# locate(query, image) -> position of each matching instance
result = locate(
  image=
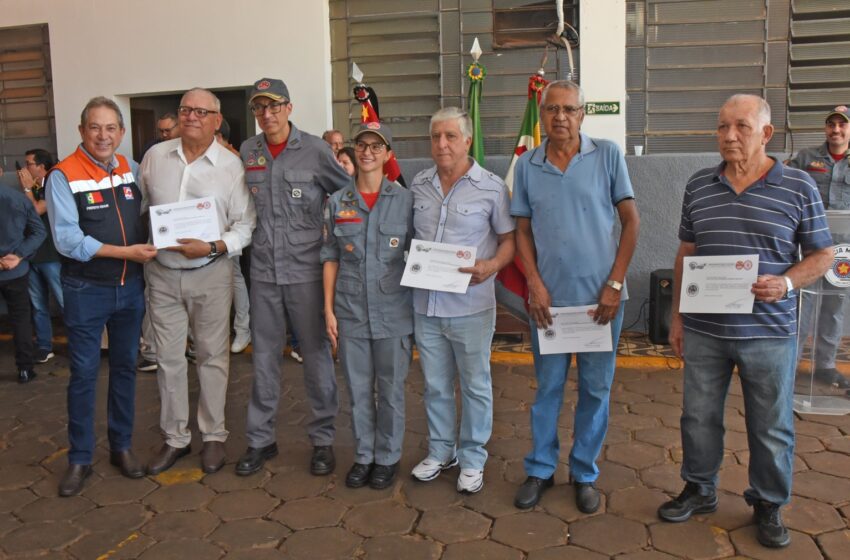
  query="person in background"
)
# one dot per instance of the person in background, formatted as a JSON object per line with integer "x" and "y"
{"x": 334, "y": 139}
{"x": 347, "y": 158}
{"x": 44, "y": 266}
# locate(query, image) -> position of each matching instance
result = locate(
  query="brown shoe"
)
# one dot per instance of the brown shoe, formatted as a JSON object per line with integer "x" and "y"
{"x": 73, "y": 480}
{"x": 127, "y": 463}
{"x": 166, "y": 458}
{"x": 212, "y": 456}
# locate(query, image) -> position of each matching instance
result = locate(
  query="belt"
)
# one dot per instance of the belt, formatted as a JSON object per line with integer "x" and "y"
{"x": 206, "y": 264}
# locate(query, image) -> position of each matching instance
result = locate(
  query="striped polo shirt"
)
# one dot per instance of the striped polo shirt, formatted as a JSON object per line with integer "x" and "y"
{"x": 774, "y": 217}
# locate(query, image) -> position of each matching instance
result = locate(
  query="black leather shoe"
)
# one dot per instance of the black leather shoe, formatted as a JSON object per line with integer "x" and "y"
{"x": 831, "y": 376}
{"x": 383, "y": 476}
{"x": 166, "y": 458}
{"x": 531, "y": 490}
{"x": 26, "y": 375}
{"x": 212, "y": 456}
{"x": 322, "y": 462}
{"x": 73, "y": 480}
{"x": 686, "y": 504}
{"x": 127, "y": 463}
{"x": 587, "y": 497}
{"x": 254, "y": 458}
{"x": 770, "y": 530}
{"x": 358, "y": 475}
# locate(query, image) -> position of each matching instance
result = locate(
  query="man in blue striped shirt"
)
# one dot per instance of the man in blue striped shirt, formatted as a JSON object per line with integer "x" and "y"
{"x": 751, "y": 203}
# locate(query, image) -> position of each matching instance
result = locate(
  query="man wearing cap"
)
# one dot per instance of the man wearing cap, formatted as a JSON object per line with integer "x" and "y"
{"x": 192, "y": 283}
{"x": 459, "y": 202}
{"x": 829, "y": 166}
{"x": 289, "y": 175}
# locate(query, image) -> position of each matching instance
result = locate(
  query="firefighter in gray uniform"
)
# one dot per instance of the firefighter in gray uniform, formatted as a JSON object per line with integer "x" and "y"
{"x": 289, "y": 173}
{"x": 829, "y": 166}
{"x": 367, "y": 229}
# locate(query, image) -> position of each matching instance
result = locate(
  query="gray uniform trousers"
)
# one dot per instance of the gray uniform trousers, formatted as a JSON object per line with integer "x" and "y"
{"x": 375, "y": 370}
{"x": 304, "y": 304}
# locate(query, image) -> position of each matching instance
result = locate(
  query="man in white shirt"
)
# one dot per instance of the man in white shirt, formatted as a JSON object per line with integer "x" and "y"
{"x": 192, "y": 284}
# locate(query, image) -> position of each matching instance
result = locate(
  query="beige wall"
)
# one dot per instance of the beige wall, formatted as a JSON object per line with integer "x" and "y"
{"x": 124, "y": 48}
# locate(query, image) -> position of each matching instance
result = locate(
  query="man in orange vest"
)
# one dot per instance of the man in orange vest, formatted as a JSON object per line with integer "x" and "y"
{"x": 94, "y": 206}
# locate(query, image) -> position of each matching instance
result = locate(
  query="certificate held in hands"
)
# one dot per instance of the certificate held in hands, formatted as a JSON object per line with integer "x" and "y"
{"x": 188, "y": 219}
{"x": 574, "y": 330}
{"x": 718, "y": 284}
{"x": 434, "y": 266}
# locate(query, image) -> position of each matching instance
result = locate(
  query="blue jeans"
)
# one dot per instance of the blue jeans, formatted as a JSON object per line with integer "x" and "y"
{"x": 595, "y": 376}
{"x": 88, "y": 308}
{"x": 457, "y": 344}
{"x": 766, "y": 368}
{"x": 44, "y": 279}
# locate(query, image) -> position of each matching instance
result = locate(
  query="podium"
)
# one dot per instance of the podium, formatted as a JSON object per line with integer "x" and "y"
{"x": 822, "y": 384}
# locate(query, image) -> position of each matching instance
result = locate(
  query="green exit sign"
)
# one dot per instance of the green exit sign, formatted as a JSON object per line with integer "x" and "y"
{"x": 602, "y": 108}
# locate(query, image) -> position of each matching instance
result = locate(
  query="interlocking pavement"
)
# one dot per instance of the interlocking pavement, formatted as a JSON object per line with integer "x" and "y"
{"x": 284, "y": 512}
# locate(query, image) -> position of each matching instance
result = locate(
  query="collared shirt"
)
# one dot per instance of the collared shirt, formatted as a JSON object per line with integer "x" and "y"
{"x": 773, "y": 217}
{"x": 166, "y": 177}
{"x": 832, "y": 177}
{"x": 474, "y": 213}
{"x": 573, "y": 217}
{"x": 369, "y": 245}
{"x": 21, "y": 231}
{"x": 65, "y": 218}
{"x": 289, "y": 192}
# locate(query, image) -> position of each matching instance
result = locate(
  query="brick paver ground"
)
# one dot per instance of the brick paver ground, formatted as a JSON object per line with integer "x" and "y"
{"x": 284, "y": 512}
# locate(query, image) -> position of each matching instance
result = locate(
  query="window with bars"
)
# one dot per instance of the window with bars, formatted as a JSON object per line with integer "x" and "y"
{"x": 819, "y": 73}
{"x": 414, "y": 54}
{"x": 684, "y": 58}
{"x": 26, "y": 100}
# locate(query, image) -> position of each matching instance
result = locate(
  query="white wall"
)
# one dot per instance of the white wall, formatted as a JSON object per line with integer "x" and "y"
{"x": 603, "y": 65}
{"x": 123, "y": 48}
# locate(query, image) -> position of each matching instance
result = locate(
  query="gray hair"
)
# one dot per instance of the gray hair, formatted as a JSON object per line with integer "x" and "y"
{"x": 563, "y": 84}
{"x": 763, "y": 114}
{"x": 327, "y": 134}
{"x": 216, "y": 101}
{"x": 453, "y": 113}
{"x": 101, "y": 101}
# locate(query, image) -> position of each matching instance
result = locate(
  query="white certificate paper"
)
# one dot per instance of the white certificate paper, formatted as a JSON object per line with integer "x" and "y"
{"x": 573, "y": 330}
{"x": 434, "y": 266}
{"x": 189, "y": 219}
{"x": 718, "y": 284}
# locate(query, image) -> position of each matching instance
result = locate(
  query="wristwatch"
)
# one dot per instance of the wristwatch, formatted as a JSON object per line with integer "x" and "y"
{"x": 213, "y": 250}
{"x": 789, "y": 285}
{"x": 614, "y": 284}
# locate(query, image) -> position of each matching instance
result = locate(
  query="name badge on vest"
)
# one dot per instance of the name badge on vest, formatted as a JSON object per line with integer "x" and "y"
{"x": 296, "y": 193}
{"x": 128, "y": 193}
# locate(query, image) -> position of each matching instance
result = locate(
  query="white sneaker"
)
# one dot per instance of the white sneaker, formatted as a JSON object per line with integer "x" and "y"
{"x": 470, "y": 481}
{"x": 296, "y": 356}
{"x": 430, "y": 468}
{"x": 240, "y": 342}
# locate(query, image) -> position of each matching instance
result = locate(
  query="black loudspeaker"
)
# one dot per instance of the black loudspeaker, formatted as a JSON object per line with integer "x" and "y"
{"x": 660, "y": 304}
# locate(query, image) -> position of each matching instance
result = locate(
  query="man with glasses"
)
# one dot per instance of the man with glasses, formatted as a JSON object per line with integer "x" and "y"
{"x": 191, "y": 284}
{"x": 459, "y": 202}
{"x": 289, "y": 175}
{"x": 167, "y": 128}
{"x": 44, "y": 266}
{"x": 568, "y": 194}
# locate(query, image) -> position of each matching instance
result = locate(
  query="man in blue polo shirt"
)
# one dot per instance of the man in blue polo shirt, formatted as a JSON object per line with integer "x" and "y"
{"x": 749, "y": 204}
{"x": 568, "y": 194}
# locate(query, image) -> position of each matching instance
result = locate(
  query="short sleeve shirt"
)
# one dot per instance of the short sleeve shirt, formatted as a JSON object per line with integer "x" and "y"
{"x": 573, "y": 217}
{"x": 475, "y": 212}
{"x": 773, "y": 218}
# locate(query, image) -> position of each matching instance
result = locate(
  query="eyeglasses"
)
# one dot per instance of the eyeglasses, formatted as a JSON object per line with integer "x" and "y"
{"x": 170, "y": 128}
{"x": 274, "y": 108}
{"x": 374, "y": 147}
{"x": 185, "y": 111}
{"x": 569, "y": 110}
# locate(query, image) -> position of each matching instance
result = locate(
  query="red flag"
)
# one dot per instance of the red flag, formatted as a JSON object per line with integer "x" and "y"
{"x": 369, "y": 113}
{"x": 511, "y": 287}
